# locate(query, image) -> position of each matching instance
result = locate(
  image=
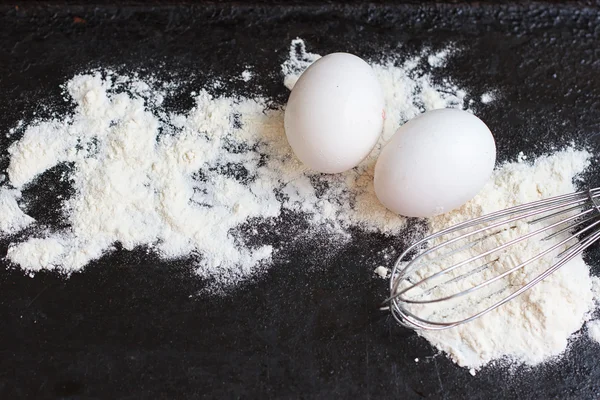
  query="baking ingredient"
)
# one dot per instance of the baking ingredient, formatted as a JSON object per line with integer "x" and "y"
{"x": 382, "y": 271}
{"x": 536, "y": 325}
{"x": 435, "y": 163}
{"x": 439, "y": 59}
{"x": 488, "y": 97}
{"x": 137, "y": 187}
{"x": 335, "y": 112}
{"x": 593, "y": 328}
{"x": 199, "y": 184}
{"x": 247, "y": 75}
{"x": 12, "y": 218}
{"x": 222, "y": 172}
{"x": 299, "y": 59}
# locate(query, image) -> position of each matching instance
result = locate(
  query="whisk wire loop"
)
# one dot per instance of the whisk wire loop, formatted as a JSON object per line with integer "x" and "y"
{"x": 575, "y": 215}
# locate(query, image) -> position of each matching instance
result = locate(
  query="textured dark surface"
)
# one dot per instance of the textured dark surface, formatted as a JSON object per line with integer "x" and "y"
{"x": 131, "y": 327}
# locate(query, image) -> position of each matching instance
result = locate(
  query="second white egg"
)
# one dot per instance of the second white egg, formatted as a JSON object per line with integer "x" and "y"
{"x": 435, "y": 163}
{"x": 335, "y": 113}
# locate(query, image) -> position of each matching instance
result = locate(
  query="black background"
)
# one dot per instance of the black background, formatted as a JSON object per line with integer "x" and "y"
{"x": 130, "y": 326}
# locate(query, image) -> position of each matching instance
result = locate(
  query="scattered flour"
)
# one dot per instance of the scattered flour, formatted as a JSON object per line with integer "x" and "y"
{"x": 593, "y": 329}
{"x": 596, "y": 288}
{"x": 247, "y": 75}
{"x": 188, "y": 184}
{"x": 488, "y": 97}
{"x": 299, "y": 59}
{"x": 13, "y": 218}
{"x": 439, "y": 59}
{"x": 382, "y": 271}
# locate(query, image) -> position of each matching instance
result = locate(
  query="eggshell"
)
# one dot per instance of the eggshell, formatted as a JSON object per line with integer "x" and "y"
{"x": 435, "y": 163}
{"x": 334, "y": 115}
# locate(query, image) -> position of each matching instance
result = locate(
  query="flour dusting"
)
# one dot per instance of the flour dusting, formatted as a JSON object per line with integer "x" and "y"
{"x": 207, "y": 183}
{"x": 488, "y": 97}
{"x": 189, "y": 184}
{"x": 593, "y": 328}
{"x": 13, "y": 218}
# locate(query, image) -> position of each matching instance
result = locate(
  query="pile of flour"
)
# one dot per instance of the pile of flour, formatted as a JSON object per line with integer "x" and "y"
{"x": 197, "y": 183}
{"x": 537, "y": 324}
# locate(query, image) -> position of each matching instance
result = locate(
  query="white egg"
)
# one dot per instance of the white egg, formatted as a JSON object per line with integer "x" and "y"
{"x": 435, "y": 163}
{"x": 334, "y": 115}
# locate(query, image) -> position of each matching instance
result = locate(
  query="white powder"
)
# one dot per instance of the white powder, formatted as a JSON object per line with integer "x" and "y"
{"x": 488, "y": 97}
{"x": 299, "y": 59}
{"x": 42, "y": 147}
{"x": 135, "y": 187}
{"x": 382, "y": 271}
{"x": 13, "y": 218}
{"x": 247, "y": 75}
{"x": 40, "y": 253}
{"x": 537, "y": 324}
{"x": 596, "y": 287}
{"x": 593, "y": 329}
{"x": 168, "y": 181}
{"x": 439, "y": 59}
{"x": 187, "y": 184}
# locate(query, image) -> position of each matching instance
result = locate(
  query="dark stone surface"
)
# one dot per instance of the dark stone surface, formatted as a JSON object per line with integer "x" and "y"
{"x": 130, "y": 326}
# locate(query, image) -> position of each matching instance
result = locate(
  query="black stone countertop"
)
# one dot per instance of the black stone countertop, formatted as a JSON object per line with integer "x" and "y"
{"x": 130, "y": 326}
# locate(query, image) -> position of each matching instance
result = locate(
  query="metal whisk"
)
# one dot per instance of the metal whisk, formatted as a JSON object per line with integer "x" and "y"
{"x": 566, "y": 224}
